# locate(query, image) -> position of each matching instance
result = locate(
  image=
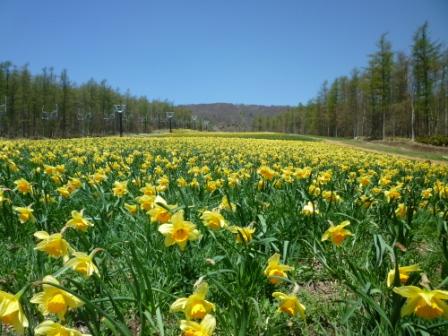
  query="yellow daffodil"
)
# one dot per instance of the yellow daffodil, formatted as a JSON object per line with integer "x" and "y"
{"x": 53, "y": 300}
{"x": 310, "y": 209}
{"x": 366, "y": 201}
{"x": 11, "y": 312}
{"x": 23, "y": 186}
{"x": 160, "y": 213}
{"x": 195, "y": 306}
{"x": 148, "y": 190}
{"x": 392, "y": 194}
{"x": 337, "y": 233}
{"x": 64, "y": 192}
{"x": 54, "y": 245}
{"x": 314, "y": 190}
{"x": 120, "y": 188}
{"x": 162, "y": 184}
{"x": 331, "y": 196}
{"x": 275, "y": 269}
{"x": 74, "y": 184}
{"x": 131, "y": 208}
{"x": 213, "y": 220}
{"x": 50, "y": 328}
{"x": 78, "y": 221}
{"x": 205, "y": 328}
{"x": 242, "y": 233}
{"x": 364, "y": 180}
{"x": 49, "y": 170}
{"x": 83, "y": 263}
{"x": 427, "y": 193}
{"x": 181, "y": 182}
{"x": 194, "y": 184}
{"x": 289, "y": 304}
{"x": 3, "y": 198}
{"x": 146, "y": 202}
{"x": 401, "y": 211}
{"x": 179, "y": 231}
{"x": 227, "y": 205}
{"x": 427, "y": 304}
{"x": 404, "y": 274}
{"x": 266, "y": 172}
{"x": 25, "y": 214}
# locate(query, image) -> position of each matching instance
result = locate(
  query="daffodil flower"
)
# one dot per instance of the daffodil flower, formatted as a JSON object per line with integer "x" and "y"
{"x": 50, "y": 328}
{"x": 53, "y": 300}
{"x": 160, "y": 213}
{"x": 11, "y": 312}
{"x": 23, "y": 186}
{"x": 83, "y": 263}
{"x": 78, "y": 221}
{"x": 404, "y": 274}
{"x": 146, "y": 202}
{"x": 205, "y": 328}
{"x": 289, "y": 304}
{"x": 213, "y": 220}
{"x": 309, "y": 209}
{"x": 195, "y": 306}
{"x": 227, "y": 205}
{"x": 25, "y": 214}
{"x": 243, "y": 234}
{"x": 54, "y": 245}
{"x": 427, "y": 304}
{"x": 337, "y": 233}
{"x": 120, "y": 188}
{"x": 132, "y": 208}
{"x": 266, "y": 172}
{"x": 276, "y": 269}
{"x": 179, "y": 231}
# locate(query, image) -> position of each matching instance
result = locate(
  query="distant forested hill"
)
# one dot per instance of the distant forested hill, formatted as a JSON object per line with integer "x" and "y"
{"x": 226, "y": 116}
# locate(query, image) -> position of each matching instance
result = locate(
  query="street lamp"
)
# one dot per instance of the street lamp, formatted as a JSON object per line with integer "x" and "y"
{"x": 48, "y": 116}
{"x": 170, "y": 116}
{"x": 144, "y": 120}
{"x": 120, "y": 109}
{"x": 83, "y": 117}
{"x": 3, "y": 109}
{"x": 53, "y": 115}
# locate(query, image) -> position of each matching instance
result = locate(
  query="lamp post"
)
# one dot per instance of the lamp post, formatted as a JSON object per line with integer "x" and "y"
{"x": 3, "y": 107}
{"x": 83, "y": 117}
{"x": 3, "y": 110}
{"x": 170, "y": 116}
{"x": 144, "y": 120}
{"x": 120, "y": 109}
{"x": 50, "y": 116}
{"x": 193, "y": 119}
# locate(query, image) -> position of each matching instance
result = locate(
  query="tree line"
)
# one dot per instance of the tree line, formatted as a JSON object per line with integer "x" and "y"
{"x": 51, "y": 105}
{"x": 395, "y": 95}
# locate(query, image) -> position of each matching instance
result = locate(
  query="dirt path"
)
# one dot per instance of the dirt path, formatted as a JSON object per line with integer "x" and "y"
{"x": 414, "y": 155}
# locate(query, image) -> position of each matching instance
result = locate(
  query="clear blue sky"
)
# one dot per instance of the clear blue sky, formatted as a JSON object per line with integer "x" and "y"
{"x": 191, "y": 51}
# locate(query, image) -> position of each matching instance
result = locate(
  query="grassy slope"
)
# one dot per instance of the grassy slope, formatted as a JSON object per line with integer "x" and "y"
{"x": 405, "y": 150}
